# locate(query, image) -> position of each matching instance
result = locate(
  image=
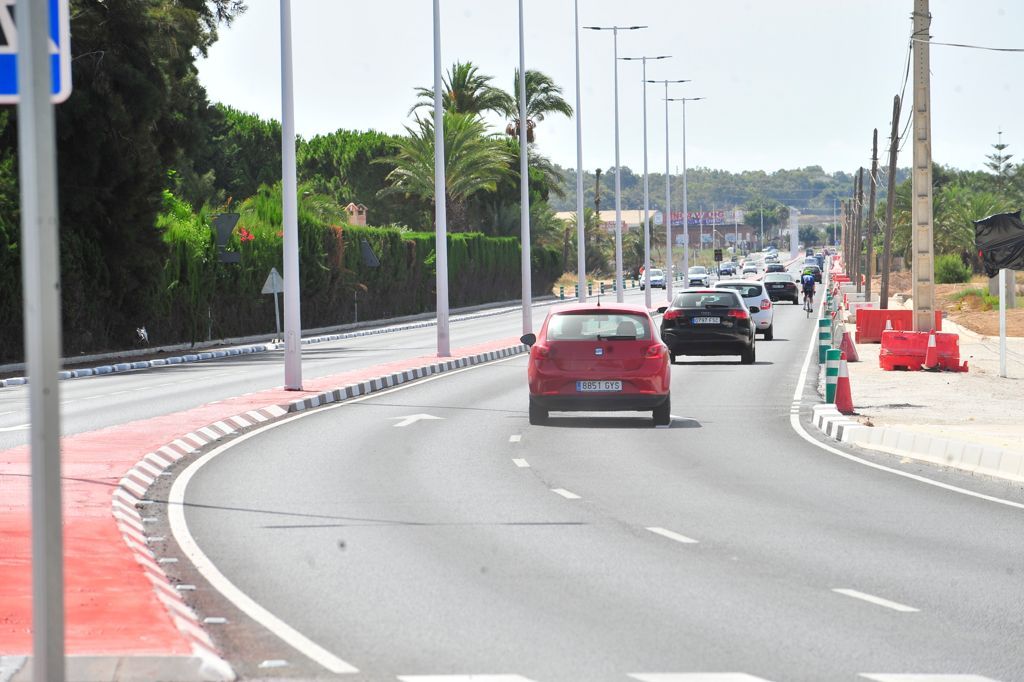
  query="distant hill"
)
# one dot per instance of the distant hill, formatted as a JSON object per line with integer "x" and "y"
{"x": 809, "y": 189}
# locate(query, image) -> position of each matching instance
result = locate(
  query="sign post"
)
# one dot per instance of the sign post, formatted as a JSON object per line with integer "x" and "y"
{"x": 32, "y": 75}
{"x": 274, "y": 285}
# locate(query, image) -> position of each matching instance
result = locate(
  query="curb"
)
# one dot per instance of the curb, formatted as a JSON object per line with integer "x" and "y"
{"x": 947, "y": 452}
{"x": 129, "y": 503}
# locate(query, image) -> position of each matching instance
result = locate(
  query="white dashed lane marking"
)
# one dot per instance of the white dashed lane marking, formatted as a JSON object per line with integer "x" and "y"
{"x": 565, "y": 493}
{"x": 515, "y": 439}
{"x": 521, "y": 463}
{"x": 672, "y": 535}
{"x": 872, "y": 599}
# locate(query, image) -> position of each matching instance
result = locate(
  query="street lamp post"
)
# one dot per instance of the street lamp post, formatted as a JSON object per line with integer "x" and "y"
{"x": 524, "y": 184}
{"x": 618, "y": 183}
{"x": 647, "y": 208}
{"x": 669, "y": 264}
{"x": 440, "y": 192}
{"x": 581, "y": 259}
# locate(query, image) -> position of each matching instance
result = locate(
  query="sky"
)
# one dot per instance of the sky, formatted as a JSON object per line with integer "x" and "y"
{"x": 789, "y": 83}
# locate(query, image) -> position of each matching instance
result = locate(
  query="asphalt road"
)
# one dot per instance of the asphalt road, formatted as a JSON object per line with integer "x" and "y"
{"x": 597, "y": 547}
{"x": 92, "y": 403}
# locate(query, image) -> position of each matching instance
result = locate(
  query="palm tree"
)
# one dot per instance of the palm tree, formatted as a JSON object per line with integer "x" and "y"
{"x": 542, "y": 97}
{"x": 466, "y": 91}
{"x": 474, "y": 161}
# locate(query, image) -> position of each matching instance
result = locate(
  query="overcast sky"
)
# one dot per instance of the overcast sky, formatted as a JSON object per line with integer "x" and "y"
{"x": 790, "y": 83}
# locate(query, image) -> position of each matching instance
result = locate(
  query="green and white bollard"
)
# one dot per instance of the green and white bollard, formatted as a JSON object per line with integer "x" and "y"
{"x": 561, "y": 293}
{"x": 590, "y": 288}
{"x": 824, "y": 338}
{"x": 834, "y": 355}
{"x": 577, "y": 294}
{"x": 602, "y": 288}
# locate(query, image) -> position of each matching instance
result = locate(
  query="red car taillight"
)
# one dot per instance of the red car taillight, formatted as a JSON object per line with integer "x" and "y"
{"x": 766, "y": 304}
{"x": 671, "y": 314}
{"x": 655, "y": 351}
{"x": 739, "y": 314}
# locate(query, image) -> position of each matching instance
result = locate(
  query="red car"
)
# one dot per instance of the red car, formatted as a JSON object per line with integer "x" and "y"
{"x": 591, "y": 357}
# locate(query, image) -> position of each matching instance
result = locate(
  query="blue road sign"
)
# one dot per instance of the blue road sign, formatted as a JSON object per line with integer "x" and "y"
{"x": 60, "y": 51}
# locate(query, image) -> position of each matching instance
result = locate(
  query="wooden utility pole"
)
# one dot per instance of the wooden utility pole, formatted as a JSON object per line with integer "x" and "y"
{"x": 870, "y": 236}
{"x": 923, "y": 266}
{"x": 858, "y": 228}
{"x": 889, "y": 201}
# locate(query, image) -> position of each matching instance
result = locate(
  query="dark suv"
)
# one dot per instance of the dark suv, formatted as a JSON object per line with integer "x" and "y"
{"x": 708, "y": 322}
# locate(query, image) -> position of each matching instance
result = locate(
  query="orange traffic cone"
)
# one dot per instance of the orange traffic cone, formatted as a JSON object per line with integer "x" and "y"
{"x": 844, "y": 400}
{"x": 931, "y": 356}
{"x": 849, "y": 348}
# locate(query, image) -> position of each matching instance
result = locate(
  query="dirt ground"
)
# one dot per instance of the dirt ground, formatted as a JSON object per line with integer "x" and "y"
{"x": 968, "y": 311}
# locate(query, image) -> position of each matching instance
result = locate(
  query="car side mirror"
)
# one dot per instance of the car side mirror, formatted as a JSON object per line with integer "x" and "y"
{"x": 754, "y": 309}
{"x": 662, "y": 309}
{"x": 528, "y": 339}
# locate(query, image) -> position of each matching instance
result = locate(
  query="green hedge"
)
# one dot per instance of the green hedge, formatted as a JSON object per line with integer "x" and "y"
{"x": 950, "y": 269}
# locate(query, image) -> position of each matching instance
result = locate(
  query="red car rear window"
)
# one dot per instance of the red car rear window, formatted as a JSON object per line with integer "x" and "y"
{"x": 587, "y": 326}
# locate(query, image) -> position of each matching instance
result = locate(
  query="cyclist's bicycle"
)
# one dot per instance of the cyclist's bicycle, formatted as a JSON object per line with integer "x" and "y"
{"x": 808, "y": 303}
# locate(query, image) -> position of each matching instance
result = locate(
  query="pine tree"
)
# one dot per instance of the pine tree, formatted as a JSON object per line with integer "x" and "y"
{"x": 999, "y": 163}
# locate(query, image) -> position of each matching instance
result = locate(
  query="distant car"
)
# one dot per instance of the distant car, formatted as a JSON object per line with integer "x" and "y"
{"x": 727, "y": 269}
{"x": 708, "y": 322}
{"x": 782, "y": 287}
{"x": 590, "y": 357}
{"x": 775, "y": 267}
{"x": 755, "y": 296}
{"x": 657, "y": 279}
{"x": 815, "y": 270}
{"x": 698, "y": 276}
{"x": 750, "y": 269}
{"x": 820, "y": 258}
{"x": 771, "y": 258}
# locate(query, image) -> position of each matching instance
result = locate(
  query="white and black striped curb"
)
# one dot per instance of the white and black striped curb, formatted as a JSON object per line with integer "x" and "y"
{"x": 396, "y": 378}
{"x": 259, "y": 347}
{"x": 947, "y": 452}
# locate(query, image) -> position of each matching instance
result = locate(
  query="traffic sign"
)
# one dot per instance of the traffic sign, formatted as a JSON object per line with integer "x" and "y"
{"x": 718, "y": 255}
{"x": 274, "y": 283}
{"x": 60, "y": 52}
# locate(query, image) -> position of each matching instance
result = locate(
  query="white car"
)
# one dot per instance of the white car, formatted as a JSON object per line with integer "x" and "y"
{"x": 657, "y": 279}
{"x": 758, "y": 301}
{"x": 698, "y": 276}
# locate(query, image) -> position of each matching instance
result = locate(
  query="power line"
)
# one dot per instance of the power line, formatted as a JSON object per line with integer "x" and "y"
{"x": 971, "y": 47}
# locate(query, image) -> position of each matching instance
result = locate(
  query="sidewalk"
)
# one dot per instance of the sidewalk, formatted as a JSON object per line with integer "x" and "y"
{"x": 118, "y": 601}
{"x": 969, "y": 420}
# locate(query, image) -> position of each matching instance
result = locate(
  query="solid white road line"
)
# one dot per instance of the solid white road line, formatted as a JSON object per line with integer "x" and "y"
{"x": 565, "y": 493}
{"x": 464, "y": 678}
{"x": 794, "y": 421}
{"x": 695, "y": 677}
{"x": 19, "y": 427}
{"x": 882, "y": 677}
{"x": 521, "y": 463}
{"x": 671, "y": 535}
{"x": 878, "y": 601}
{"x": 515, "y": 439}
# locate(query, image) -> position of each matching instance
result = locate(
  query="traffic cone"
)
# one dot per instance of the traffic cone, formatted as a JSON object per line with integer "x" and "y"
{"x": 844, "y": 400}
{"x": 849, "y": 348}
{"x": 931, "y": 356}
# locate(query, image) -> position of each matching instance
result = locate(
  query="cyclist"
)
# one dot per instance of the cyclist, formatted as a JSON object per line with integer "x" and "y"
{"x": 807, "y": 284}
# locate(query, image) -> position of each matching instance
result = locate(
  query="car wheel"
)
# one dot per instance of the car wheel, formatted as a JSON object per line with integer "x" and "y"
{"x": 663, "y": 412}
{"x": 538, "y": 415}
{"x": 748, "y": 356}
{"x": 769, "y": 333}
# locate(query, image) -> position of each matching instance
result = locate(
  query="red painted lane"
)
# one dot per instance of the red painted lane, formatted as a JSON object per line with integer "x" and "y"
{"x": 110, "y": 605}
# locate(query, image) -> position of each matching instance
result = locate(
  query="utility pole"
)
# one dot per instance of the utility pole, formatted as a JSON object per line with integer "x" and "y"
{"x": 871, "y": 218}
{"x": 883, "y": 302}
{"x": 922, "y": 245}
{"x": 858, "y": 228}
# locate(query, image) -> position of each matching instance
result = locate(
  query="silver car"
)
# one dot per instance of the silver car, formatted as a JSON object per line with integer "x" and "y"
{"x": 698, "y": 277}
{"x": 758, "y": 301}
{"x": 657, "y": 279}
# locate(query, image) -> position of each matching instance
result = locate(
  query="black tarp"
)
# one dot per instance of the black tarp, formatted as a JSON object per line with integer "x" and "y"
{"x": 1000, "y": 242}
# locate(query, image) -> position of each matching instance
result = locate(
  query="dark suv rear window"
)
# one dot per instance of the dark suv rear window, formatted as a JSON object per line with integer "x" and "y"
{"x": 588, "y": 326}
{"x": 715, "y": 299}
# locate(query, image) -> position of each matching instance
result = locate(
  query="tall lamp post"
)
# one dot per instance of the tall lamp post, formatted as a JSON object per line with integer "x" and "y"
{"x": 647, "y": 208}
{"x": 440, "y": 192}
{"x": 618, "y": 182}
{"x": 669, "y": 264}
{"x": 581, "y": 235}
{"x": 686, "y": 213}
{"x": 524, "y": 184}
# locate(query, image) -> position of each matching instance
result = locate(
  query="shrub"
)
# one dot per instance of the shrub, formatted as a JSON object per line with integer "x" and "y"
{"x": 949, "y": 269}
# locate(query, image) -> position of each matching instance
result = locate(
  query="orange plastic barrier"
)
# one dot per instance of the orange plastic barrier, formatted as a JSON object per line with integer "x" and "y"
{"x": 908, "y": 350}
{"x": 871, "y": 322}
